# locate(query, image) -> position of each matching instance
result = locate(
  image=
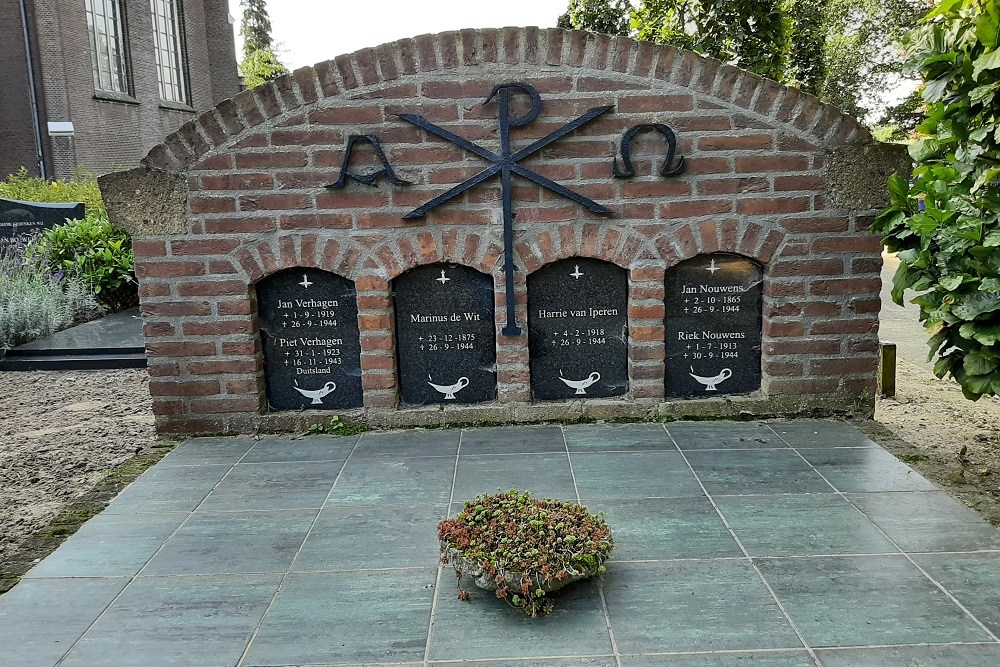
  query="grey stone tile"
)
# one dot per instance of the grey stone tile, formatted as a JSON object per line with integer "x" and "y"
{"x": 863, "y": 601}
{"x": 208, "y": 451}
{"x": 233, "y": 543}
{"x": 110, "y": 545}
{"x": 177, "y": 621}
{"x": 801, "y": 526}
{"x": 634, "y": 475}
{"x": 544, "y": 475}
{"x": 616, "y": 437}
{"x": 41, "y": 618}
{"x": 394, "y": 481}
{"x": 512, "y": 440}
{"x": 590, "y": 661}
{"x": 576, "y": 626}
{"x": 761, "y": 472}
{"x": 866, "y": 469}
{"x": 347, "y": 618}
{"x": 276, "y": 486}
{"x": 413, "y": 442}
{"x": 974, "y": 579}
{"x": 693, "y": 606}
{"x": 285, "y": 449}
{"x": 164, "y": 489}
{"x": 666, "y": 528}
{"x": 782, "y": 658}
{"x": 820, "y": 433}
{"x": 723, "y": 435}
{"x": 372, "y": 537}
{"x": 931, "y": 521}
{"x": 975, "y": 655}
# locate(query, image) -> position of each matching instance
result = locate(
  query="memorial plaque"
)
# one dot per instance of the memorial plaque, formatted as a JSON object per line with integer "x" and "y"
{"x": 578, "y": 329}
{"x": 713, "y": 323}
{"x": 312, "y": 346}
{"x": 445, "y": 335}
{"x": 20, "y": 217}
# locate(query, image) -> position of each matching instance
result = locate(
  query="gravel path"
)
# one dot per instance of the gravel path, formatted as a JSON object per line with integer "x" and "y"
{"x": 61, "y": 432}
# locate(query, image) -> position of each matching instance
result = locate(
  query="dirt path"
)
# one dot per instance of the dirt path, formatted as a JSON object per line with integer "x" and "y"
{"x": 60, "y": 433}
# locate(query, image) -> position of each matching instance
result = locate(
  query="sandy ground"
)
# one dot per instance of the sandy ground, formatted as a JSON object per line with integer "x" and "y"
{"x": 60, "y": 433}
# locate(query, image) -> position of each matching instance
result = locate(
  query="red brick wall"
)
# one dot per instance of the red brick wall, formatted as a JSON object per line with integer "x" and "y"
{"x": 755, "y": 152}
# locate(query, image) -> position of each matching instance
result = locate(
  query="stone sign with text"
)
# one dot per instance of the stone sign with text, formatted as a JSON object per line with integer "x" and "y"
{"x": 309, "y": 331}
{"x": 578, "y": 329}
{"x": 713, "y": 326}
{"x": 445, "y": 335}
{"x": 19, "y": 217}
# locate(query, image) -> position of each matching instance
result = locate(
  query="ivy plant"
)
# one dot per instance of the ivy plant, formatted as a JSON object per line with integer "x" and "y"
{"x": 945, "y": 221}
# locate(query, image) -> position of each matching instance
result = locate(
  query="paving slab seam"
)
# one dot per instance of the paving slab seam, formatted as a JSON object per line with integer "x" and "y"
{"x": 291, "y": 564}
{"x": 902, "y": 551}
{"x": 514, "y": 661}
{"x": 739, "y": 543}
{"x": 440, "y": 569}
{"x": 600, "y": 586}
{"x": 914, "y": 645}
{"x": 137, "y": 575}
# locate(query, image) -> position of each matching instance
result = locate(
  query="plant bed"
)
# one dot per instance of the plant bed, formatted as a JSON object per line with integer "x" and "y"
{"x": 524, "y": 548}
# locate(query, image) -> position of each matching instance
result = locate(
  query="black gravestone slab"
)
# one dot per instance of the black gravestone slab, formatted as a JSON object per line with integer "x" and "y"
{"x": 445, "y": 335}
{"x": 578, "y": 329}
{"x": 312, "y": 345}
{"x": 19, "y": 217}
{"x": 713, "y": 323}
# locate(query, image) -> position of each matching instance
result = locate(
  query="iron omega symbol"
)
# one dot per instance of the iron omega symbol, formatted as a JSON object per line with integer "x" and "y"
{"x": 505, "y": 164}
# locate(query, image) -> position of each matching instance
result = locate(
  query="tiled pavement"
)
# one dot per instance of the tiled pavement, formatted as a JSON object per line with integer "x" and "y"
{"x": 785, "y": 543}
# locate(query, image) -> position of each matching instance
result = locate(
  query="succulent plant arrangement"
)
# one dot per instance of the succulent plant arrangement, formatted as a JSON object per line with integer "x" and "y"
{"x": 524, "y": 547}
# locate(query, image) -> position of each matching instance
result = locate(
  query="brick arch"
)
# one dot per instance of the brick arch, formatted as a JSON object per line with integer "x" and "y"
{"x": 749, "y": 238}
{"x": 397, "y": 255}
{"x": 256, "y": 261}
{"x": 799, "y": 113}
{"x": 619, "y": 245}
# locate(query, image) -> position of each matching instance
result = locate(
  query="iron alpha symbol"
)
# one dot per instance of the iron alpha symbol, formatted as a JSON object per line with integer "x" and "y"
{"x": 505, "y": 164}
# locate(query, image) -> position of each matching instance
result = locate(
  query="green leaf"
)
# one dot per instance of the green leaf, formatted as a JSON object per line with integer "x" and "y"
{"x": 943, "y": 8}
{"x": 976, "y": 304}
{"x": 899, "y": 191}
{"x": 922, "y": 224}
{"x": 951, "y": 283}
{"x": 988, "y": 26}
{"x": 921, "y": 149}
{"x": 942, "y": 366}
{"x": 989, "y": 60}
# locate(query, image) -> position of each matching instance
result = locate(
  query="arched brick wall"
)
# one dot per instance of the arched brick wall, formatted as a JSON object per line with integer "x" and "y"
{"x": 245, "y": 182}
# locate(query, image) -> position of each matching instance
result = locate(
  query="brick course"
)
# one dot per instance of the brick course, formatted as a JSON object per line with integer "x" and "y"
{"x": 753, "y": 186}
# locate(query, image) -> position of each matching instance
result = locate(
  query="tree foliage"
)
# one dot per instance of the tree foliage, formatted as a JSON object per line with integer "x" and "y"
{"x": 255, "y": 26}
{"x": 945, "y": 223}
{"x": 845, "y": 51}
{"x": 260, "y": 62}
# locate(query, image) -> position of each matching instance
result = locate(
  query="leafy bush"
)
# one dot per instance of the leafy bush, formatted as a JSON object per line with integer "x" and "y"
{"x": 524, "y": 547}
{"x": 945, "y": 224}
{"x": 35, "y": 302}
{"x": 81, "y": 188}
{"x": 94, "y": 253}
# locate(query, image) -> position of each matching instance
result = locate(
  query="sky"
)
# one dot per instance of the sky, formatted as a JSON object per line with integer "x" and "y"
{"x": 311, "y": 31}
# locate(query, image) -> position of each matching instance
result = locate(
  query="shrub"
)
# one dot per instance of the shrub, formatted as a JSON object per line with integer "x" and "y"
{"x": 945, "y": 224}
{"x": 95, "y": 253}
{"x": 35, "y": 302}
{"x": 81, "y": 188}
{"x": 524, "y": 547}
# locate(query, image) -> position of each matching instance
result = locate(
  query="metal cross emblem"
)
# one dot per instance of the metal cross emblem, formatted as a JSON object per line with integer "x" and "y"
{"x": 505, "y": 164}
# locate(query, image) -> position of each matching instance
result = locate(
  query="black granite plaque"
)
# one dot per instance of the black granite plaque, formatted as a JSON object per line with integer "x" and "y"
{"x": 713, "y": 322}
{"x": 445, "y": 335}
{"x": 578, "y": 329}
{"x": 312, "y": 346}
{"x": 19, "y": 217}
